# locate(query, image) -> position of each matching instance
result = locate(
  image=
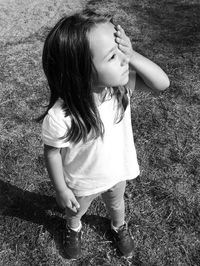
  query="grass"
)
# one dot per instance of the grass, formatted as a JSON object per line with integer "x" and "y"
{"x": 163, "y": 203}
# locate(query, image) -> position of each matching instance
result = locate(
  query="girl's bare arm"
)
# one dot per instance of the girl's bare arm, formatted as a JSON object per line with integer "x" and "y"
{"x": 150, "y": 73}
{"x": 64, "y": 196}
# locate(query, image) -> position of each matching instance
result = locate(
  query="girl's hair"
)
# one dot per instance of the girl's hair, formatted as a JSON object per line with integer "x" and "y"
{"x": 68, "y": 66}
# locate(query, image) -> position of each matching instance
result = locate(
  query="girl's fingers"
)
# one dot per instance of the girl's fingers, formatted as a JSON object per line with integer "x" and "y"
{"x": 120, "y": 28}
{"x": 120, "y": 35}
{"x": 120, "y": 31}
{"x": 122, "y": 42}
{"x": 75, "y": 203}
{"x": 123, "y": 49}
{"x": 73, "y": 207}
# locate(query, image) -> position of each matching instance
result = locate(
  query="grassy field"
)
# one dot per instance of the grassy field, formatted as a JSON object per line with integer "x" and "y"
{"x": 163, "y": 203}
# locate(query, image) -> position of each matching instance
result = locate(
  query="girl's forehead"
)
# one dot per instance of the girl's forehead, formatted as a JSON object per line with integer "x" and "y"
{"x": 102, "y": 39}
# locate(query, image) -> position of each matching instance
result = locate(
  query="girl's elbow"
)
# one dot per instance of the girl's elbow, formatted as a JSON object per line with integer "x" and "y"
{"x": 165, "y": 84}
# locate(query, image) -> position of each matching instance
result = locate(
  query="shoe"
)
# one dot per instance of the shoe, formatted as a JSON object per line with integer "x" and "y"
{"x": 72, "y": 243}
{"x": 123, "y": 240}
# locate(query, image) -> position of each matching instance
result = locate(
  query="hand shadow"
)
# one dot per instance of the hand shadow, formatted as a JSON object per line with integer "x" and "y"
{"x": 37, "y": 209}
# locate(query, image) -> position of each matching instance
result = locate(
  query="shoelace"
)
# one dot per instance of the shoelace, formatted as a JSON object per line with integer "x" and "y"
{"x": 68, "y": 235}
{"x": 123, "y": 232}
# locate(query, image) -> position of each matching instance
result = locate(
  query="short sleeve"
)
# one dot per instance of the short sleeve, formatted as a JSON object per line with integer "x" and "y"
{"x": 54, "y": 132}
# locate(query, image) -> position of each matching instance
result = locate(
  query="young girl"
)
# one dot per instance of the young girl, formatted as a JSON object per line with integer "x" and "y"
{"x": 89, "y": 151}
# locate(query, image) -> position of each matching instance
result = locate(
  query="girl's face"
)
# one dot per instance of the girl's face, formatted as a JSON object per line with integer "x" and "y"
{"x": 111, "y": 64}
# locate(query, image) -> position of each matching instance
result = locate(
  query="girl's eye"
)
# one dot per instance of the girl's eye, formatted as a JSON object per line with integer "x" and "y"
{"x": 112, "y": 57}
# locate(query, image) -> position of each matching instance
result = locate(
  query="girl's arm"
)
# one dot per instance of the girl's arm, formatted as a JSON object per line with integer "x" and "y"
{"x": 149, "y": 73}
{"x": 64, "y": 196}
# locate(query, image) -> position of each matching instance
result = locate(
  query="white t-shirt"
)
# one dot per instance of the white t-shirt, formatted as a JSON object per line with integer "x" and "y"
{"x": 98, "y": 164}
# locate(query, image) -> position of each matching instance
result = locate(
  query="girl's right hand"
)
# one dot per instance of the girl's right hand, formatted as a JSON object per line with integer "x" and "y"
{"x": 66, "y": 199}
{"x": 124, "y": 42}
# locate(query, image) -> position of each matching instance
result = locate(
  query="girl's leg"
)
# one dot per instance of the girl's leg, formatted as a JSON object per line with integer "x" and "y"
{"x": 72, "y": 234}
{"x": 73, "y": 219}
{"x": 114, "y": 200}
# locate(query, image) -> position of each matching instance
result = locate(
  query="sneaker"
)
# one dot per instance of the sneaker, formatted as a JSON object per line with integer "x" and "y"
{"x": 72, "y": 243}
{"x": 123, "y": 240}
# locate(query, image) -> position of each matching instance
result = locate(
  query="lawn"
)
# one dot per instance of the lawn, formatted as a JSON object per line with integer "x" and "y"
{"x": 163, "y": 203}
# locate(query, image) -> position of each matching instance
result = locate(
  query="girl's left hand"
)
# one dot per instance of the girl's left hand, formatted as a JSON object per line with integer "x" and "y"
{"x": 123, "y": 41}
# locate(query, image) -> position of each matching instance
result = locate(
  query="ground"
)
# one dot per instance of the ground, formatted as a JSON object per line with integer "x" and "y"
{"x": 163, "y": 203}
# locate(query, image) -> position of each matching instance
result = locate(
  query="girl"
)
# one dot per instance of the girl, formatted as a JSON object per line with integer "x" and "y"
{"x": 89, "y": 151}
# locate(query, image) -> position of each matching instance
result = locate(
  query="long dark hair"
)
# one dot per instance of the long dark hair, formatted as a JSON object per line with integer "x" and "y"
{"x": 68, "y": 66}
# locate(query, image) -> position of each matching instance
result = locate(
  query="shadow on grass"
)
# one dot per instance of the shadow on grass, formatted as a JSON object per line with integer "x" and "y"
{"x": 178, "y": 21}
{"x": 37, "y": 214}
{"x": 169, "y": 23}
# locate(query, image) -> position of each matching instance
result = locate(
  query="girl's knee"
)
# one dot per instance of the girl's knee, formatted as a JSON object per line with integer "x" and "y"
{"x": 116, "y": 205}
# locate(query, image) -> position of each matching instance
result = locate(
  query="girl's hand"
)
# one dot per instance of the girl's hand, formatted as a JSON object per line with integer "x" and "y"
{"x": 123, "y": 41}
{"x": 66, "y": 199}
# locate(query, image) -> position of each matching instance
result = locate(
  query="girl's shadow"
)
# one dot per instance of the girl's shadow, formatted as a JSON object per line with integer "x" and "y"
{"x": 38, "y": 209}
